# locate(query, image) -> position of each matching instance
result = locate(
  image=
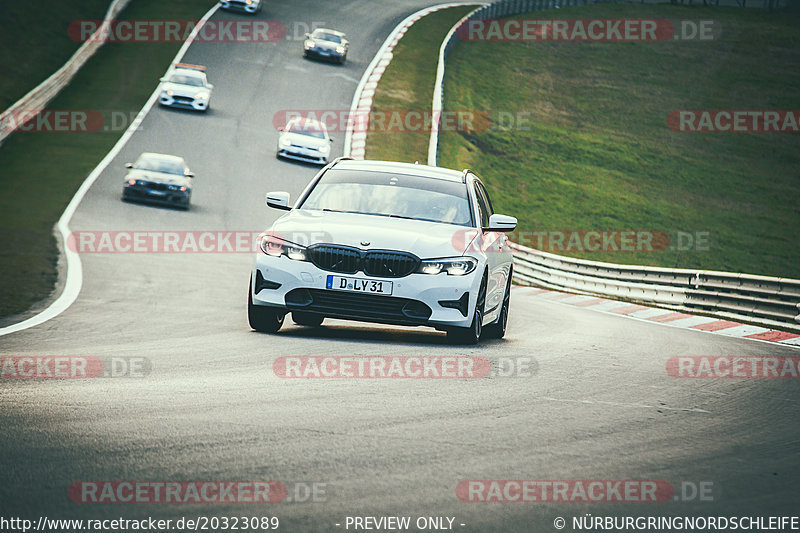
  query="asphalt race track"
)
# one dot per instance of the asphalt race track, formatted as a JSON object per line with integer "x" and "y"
{"x": 598, "y": 405}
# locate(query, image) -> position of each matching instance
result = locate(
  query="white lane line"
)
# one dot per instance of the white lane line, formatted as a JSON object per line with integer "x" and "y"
{"x": 622, "y": 404}
{"x": 650, "y": 313}
{"x": 692, "y": 321}
{"x": 606, "y": 306}
{"x": 74, "y": 281}
{"x": 742, "y": 331}
{"x": 382, "y": 57}
{"x": 578, "y": 298}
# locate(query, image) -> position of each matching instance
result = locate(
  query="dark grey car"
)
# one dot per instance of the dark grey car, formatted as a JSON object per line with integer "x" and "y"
{"x": 327, "y": 44}
{"x": 159, "y": 178}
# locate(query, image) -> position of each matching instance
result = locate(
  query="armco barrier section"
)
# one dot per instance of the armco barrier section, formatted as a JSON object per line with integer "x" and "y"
{"x": 772, "y": 302}
{"x": 38, "y": 98}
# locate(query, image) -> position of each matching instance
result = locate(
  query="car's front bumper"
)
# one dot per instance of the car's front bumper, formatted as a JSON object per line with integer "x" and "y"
{"x": 331, "y": 55}
{"x": 299, "y": 153}
{"x": 415, "y": 300}
{"x": 135, "y": 193}
{"x": 184, "y": 102}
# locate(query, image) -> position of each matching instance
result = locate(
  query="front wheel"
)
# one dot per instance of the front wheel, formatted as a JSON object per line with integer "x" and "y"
{"x": 471, "y": 334}
{"x": 497, "y": 330}
{"x": 263, "y": 319}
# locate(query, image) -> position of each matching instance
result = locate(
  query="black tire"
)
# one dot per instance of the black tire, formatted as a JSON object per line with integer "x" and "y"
{"x": 472, "y": 334}
{"x": 307, "y": 319}
{"x": 497, "y": 329}
{"x": 263, "y": 319}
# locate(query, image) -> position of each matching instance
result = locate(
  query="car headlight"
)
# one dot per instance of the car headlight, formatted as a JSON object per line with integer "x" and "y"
{"x": 340, "y": 49}
{"x": 168, "y": 93}
{"x": 203, "y": 96}
{"x": 309, "y": 44}
{"x": 284, "y": 142}
{"x": 277, "y": 247}
{"x": 325, "y": 148}
{"x": 454, "y": 266}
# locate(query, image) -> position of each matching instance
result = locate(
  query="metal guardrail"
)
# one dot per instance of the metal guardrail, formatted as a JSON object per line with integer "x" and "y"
{"x": 37, "y": 99}
{"x": 766, "y": 301}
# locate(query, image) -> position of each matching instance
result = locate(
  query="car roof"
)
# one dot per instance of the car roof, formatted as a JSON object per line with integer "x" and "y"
{"x": 162, "y": 157}
{"x": 397, "y": 167}
{"x": 328, "y": 30}
{"x": 307, "y": 122}
{"x": 189, "y": 72}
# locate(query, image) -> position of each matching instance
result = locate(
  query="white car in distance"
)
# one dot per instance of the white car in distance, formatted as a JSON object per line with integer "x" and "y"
{"x": 186, "y": 86}
{"x": 305, "y": 139}
{"x": 386, "y": 242}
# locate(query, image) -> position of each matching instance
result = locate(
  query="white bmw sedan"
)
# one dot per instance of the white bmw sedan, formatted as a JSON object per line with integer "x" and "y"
{"x": 386, "y": 242}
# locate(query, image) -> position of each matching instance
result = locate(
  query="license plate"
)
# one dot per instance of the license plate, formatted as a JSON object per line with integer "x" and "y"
{"x": 156, "y": 193}
{"x": 369, "y": 286}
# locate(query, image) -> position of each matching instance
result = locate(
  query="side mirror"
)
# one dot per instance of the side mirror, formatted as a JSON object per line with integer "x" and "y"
{"x": 164, "y": 78}
{"x": 209, "y": 86}
{"x": 278, "y": 200}
{"x": 281, "y": 129}
{"x": 128, "y": 165}
{"x": 189, "y": 174}
{"x": 308, "y": 35}
{"x": 502, "y": 223}
{"x": 330, "y": 139}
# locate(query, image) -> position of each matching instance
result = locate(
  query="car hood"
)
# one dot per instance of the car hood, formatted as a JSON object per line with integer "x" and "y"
{"x": 427, "y": 240}
{"x": 184, "y": 90}
{"x": 304, "y": 140}
{"x": 327, "y": 45}
{"x": 159, "y": 177}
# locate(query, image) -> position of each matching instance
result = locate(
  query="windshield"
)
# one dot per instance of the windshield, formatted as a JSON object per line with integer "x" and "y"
{"x": 391, "y": 195}
{"x": 306, "y": 129}
{"x": 155, "y": 164}
{"x": 182, "y": 79}
{"x": 322, "y": 36}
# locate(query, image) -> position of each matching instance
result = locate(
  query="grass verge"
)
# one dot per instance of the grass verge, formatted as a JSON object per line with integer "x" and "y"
{"x": 40, "y": 172}
{"x": 28, "y": 57}
{"x": 595, "y": 153}
{"x": 407, "y": 85}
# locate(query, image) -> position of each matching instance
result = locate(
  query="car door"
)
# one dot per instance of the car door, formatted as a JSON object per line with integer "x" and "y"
{"x": 494, "y": 245}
